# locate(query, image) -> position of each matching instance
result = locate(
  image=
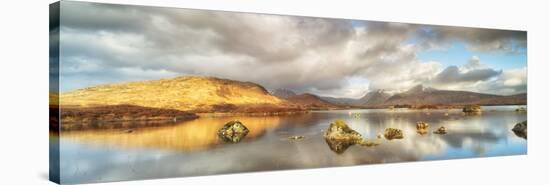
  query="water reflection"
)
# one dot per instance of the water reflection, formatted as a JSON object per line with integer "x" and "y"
{"x": 198, "y": 134}
{"x": 193, "y": 148}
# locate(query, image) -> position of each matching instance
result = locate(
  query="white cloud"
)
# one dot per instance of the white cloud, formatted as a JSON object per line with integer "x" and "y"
{"x": 112, "y": 43}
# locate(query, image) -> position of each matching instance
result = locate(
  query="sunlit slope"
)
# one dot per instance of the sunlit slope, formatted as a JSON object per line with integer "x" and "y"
{"x": 189, "y": 93}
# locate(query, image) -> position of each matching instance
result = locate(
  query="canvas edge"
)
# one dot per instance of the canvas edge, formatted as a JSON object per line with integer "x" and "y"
{"x": 53, "y": 94}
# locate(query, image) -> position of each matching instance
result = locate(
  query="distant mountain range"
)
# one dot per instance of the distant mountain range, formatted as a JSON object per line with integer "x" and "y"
{"x": 420, "y": 95}
{"x": 311, "y": 101}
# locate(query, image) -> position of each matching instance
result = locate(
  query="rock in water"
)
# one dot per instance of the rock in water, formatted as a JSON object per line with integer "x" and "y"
{"x": 393, "y": 133}
{"x": 339, "y": 130}
{"x": 369, "y": 143}
{"x": 521, "y": 109}
{"x": 422, "y": 127}
{"x": 472, "y": 109}
{"x": 296, "y": 137}
{"x": 441, "y": 130}
{"x": 338, "y": 146}
{"x": 520, "y": 129}
{"x": 339, "y": 136}
{"x": 233, "y": 132}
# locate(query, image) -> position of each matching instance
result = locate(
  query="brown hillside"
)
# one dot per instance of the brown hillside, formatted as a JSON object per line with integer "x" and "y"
{"x": 189, "y": 93}
{"x": 310, "y": 101}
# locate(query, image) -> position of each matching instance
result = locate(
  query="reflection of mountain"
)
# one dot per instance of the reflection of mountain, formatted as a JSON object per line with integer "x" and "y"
{"x": 194, "y": 135}
{"x": 190, "y": 93}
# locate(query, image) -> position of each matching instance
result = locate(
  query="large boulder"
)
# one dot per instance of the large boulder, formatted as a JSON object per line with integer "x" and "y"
{"x": 393, "y": 133}
{"x": 520, "y": 129}
{"x": 339, "y": 130}
{"x": 233, "y": 132}
{"x": 339, "y": 136}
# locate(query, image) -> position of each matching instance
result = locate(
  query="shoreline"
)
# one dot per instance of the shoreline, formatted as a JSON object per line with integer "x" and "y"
{"x": 135, "y": 118}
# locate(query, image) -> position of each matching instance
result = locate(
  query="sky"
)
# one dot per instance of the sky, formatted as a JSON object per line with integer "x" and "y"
{"x": 102, "y": 43}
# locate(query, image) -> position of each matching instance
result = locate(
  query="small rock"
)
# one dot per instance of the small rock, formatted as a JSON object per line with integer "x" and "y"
{"x": 441, "y": 130}
{"x": 393, "y": 133}
{"x": 296, "y": 137}
{"x": 422, "y": 125}
{"x": 520, "y": 129}
{"x": 369, "y": 143}
{"x": 422, "y": 132}
{"x": 521, "y": 109}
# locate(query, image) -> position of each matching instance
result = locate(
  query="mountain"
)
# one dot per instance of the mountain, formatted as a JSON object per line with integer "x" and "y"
{"x": 283, "y": 93}
{"x": 187, "y": 93}
{"x": 374, "y": 98}
{"x": 420, "y": 95}
{"x": 340, "y": 101}
{"x": 371, "y": 98}
{"x": 311, "y": 101}
{"x": 518, "y": 99}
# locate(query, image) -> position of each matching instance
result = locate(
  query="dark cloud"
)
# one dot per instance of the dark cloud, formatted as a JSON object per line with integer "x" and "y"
{"x": 476, "y": 39}
{"x": 326, "y": 56}
{"x": 452, "y": 74}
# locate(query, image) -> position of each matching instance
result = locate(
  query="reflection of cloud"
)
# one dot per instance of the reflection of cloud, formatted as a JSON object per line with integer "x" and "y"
{"x": 456, "y": 139}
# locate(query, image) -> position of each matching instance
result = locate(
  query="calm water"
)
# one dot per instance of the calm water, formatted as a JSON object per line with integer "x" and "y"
{"x": 192, "y": 148}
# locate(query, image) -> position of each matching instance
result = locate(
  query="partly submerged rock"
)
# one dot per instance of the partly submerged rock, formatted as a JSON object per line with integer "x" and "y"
{"x": 338, "y": 146}
{"x": 472, "y": 109}
{"x": 422, "y": 127}
{"x": 233, "y": 132}
{"x": 339, "y": 136}
{"x": 393, "y": 133}
{"x": 369, "y": 143}
{"x": 422, "y": 131}
{"x": 441, "y": 130}
{"x": 521, "y": 109}
{"x": 296, "y": 137}
{"x": 520, "y": 129}
{"x": 339, "y": 130}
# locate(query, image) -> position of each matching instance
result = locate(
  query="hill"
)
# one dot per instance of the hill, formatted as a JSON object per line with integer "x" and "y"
{"x": 189, "y": 93}
{"x": 311, "y": 101}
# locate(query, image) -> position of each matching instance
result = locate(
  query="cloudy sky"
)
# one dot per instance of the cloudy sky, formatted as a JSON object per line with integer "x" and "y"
{"x": 102, "y": 43}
